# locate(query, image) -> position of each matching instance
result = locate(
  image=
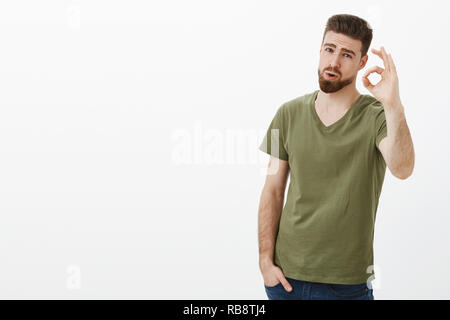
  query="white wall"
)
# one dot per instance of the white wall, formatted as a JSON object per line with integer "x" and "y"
{"x": 99, "y": 98}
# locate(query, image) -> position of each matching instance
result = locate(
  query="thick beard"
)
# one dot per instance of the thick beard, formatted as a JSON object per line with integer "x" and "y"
{"x": 328, "y": 86}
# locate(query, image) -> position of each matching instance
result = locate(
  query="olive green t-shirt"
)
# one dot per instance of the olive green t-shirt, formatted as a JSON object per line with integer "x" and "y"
{"x": 326, "y": 228}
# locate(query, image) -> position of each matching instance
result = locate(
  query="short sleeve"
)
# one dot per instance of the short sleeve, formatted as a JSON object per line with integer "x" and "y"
{"x": 380, "y": 126}
{"x": 274, "y": 139}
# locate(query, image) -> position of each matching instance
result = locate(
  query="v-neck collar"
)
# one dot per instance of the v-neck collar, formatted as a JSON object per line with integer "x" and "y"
{"x": 336, "y": 123}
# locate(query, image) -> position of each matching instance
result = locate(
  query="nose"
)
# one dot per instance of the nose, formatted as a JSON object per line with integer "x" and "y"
{"x": 335, "y": 61}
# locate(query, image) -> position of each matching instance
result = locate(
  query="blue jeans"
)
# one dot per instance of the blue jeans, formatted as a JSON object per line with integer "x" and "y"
{"x": 305, "y": 290}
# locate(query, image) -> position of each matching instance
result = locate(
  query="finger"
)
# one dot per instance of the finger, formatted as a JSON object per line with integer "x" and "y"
{"x": 376, "y": 69}
{"x": 391, "y": 61}
{"x": 287, "y": 286}
{"x": 386, "y": 58}
{"x": 367, "y": 83}
{"x": 376, "y": 52}
{"x": 379, "y": 53}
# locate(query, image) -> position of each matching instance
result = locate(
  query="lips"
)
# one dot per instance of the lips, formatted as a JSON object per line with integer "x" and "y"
{"x": 331, "y": 75}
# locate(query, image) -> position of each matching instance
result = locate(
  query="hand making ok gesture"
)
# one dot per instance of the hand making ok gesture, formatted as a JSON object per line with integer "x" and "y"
{"x": 386, "y": 90}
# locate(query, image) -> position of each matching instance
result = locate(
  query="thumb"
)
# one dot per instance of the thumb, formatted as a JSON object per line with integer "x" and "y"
{"x": 287, "y": 286}
{"x": 367, "y": 84}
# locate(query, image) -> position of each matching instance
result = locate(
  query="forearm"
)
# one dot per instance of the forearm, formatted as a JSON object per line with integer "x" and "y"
{"x": 400, "y": 145}
{"x": 269, "y": 214}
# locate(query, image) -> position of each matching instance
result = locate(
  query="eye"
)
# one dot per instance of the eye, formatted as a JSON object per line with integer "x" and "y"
{"x": 328, "y": 49}
{"x": 349, "y": 56}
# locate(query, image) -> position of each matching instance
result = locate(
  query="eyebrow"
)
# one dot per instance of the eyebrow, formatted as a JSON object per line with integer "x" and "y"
{"x": 343, "y": 49}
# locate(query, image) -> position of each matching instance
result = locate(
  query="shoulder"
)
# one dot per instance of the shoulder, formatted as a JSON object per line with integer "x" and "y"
{"x": 376, "y": 113}
{"x": 298, "y": 103}
{"x": 373, "y": 109}
{"x": 372, "y": 104}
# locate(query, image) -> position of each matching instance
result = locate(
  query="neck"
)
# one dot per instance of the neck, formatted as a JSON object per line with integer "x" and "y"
{"x": 337, "y": 101}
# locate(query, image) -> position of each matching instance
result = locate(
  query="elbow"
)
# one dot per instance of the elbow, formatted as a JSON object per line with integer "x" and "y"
{"x": 404, "y": 173}
{"x": 404, "y": 169}
{"x": 402, "y": 177}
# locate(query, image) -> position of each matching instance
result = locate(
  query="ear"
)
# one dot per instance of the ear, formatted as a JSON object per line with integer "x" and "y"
{"x": 363, "y": 62}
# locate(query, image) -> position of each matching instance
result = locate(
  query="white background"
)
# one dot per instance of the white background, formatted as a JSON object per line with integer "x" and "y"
{"x": 94, "y": 200}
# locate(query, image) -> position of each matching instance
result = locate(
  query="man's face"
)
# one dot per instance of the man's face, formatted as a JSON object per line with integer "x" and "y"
{"x": 340, "y": 55}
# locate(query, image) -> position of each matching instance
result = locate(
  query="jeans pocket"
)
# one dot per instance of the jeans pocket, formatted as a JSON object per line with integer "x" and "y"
{"x": 270, "y": 287}
{"x": 349, "y": 290}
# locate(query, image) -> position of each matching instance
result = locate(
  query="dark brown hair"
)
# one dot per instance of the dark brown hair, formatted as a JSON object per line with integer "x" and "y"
{"x": 353, "y": 27}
